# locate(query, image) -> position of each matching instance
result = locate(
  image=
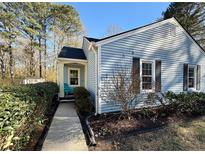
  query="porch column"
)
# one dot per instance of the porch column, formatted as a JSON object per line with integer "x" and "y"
{"x": 60, "y": 78}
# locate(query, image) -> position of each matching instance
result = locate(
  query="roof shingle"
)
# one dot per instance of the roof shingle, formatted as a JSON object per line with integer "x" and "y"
{"x": 73, "y": 53}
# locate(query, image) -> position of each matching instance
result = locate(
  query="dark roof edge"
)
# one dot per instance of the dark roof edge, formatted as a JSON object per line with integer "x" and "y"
{"x": 190, "y": 35}
{"x": 71, "y": 47}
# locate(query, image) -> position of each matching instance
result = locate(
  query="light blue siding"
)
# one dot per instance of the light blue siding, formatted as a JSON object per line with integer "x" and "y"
{"x": 91, "y": 72}
{"x": 154, "y": 44}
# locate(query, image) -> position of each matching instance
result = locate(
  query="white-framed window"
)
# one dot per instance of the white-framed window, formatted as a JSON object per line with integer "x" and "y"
{"x": 74, "y": 76}
{"x": 147, "y": 75}
{"x": 191, "y": 76}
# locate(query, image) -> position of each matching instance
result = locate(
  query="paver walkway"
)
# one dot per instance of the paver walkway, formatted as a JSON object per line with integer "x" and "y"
{"x": 65, "y": 133}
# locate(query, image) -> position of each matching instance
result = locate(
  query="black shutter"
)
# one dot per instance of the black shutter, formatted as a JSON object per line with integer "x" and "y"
{"x": 185, "y": 77}
{"x": 158, "y": 76}
{"x": 136, "y": 74}
{"x": 198, "y": 76}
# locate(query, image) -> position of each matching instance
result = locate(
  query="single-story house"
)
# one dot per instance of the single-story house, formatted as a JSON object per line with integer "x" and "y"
{"x": 164, "y": 50}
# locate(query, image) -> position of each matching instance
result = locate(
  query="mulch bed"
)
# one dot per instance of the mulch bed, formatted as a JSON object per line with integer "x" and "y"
{"x": 109, "y": 125}
{"x": 38, "y": 137}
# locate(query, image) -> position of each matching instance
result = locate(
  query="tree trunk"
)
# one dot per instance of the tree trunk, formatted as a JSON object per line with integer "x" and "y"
{"x": 40, "y": 61}
{"x": 11, "y": 59}
{"x": 3, "y": 70}
{"x": 45, "y": 54}
{"x": 45, "y": 50}
{"x": 32, "y": 72}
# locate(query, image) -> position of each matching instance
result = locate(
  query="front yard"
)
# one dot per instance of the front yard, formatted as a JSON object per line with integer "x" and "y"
{"x": 177, "y": 125}
{"x": 177, "y": 135}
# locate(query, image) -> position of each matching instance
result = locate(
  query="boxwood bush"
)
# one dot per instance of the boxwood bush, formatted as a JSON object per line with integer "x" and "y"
{"x": 187, "y": 104}
{"x": 83, "y": 101}
{"x": 21, "y": 108}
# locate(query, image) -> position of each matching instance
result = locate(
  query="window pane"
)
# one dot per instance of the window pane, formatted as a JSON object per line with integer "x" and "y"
{"x": 147, "y": 79}
{"x": 191, "y": 77}
{"x": 74, "y": 81}
{"x": 146, "y": 69}
{"x": 146, "y": 86}
{"x": 191, "y": 82}
{"x": 74, "y": 73}
{"x": 73, "y": 77}
{"x": 146, "y": 82}
{"x": 146, "y": 76}
{"x": 191, "y": 72}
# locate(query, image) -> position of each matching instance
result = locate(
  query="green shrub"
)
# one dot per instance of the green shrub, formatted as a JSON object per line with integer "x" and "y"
{"x": 188, "y": 103}
{"x": 21, "y": 107}
{"x": 80, "y": 92}
{"x": 182, "y": 103}
{"x": 83, "y": 101}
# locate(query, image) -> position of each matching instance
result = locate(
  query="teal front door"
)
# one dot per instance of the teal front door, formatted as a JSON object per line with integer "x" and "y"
{"x": 67, "y": 89}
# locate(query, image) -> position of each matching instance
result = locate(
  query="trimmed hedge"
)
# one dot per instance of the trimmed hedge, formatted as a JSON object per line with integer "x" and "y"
{"x": 178, "y": 104}
{"x": 186, "y": 103}
{"x": 22, "y": 108}
{"x": 83, "y": 101}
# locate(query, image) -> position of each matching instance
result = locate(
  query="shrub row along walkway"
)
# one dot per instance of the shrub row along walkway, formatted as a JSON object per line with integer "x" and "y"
{"x": 65, "y": 133}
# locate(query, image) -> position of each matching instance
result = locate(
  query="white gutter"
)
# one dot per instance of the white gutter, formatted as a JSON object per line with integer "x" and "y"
{"x": 74, "y": 60}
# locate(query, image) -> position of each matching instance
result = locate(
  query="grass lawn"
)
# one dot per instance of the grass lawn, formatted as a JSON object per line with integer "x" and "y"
{"x": 183, "y": 135}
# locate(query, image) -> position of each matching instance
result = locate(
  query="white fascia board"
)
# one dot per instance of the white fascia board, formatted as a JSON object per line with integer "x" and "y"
{"x": 91, "y": 44}
{"x": 132, "y": 32}
{"x": 73, "y": 60}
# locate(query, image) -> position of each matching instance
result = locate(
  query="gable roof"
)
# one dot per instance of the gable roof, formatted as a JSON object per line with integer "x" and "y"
{"x": 98, "y": 40}
{"x": 73, "y": 53}
{"x": 143, "y": 27}
{"x": 92, "y": 39}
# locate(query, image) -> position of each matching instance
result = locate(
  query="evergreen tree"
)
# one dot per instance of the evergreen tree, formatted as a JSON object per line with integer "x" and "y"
{"x": 191, "y": 16}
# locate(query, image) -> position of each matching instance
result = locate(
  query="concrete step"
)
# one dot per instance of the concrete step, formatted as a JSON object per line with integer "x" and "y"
{"x": 67, "y": 97}
{"x": 67, "y": 100}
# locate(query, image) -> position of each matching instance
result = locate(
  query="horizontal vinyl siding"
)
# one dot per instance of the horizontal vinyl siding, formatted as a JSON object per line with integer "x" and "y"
{"x": 91, "y": 78}
{"x": 153, "y": 44}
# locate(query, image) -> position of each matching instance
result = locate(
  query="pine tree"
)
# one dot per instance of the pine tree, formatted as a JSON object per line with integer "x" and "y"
{"x": 191, "y": 16}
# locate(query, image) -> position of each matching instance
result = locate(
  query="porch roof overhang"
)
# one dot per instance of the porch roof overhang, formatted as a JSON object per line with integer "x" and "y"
{"x": 72, "y": 53}
{"x": 71, "y": 60}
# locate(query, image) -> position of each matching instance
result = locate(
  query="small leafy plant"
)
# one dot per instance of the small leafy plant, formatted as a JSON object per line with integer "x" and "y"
{"x": 21, "y": 108}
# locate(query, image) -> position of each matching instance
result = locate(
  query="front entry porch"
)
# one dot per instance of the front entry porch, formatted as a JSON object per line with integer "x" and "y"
{"x": 71, "y": 73}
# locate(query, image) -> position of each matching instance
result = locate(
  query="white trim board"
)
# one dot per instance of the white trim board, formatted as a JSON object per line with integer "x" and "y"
{"x": 153, "y": 75}
{"x": 73, "y": 60}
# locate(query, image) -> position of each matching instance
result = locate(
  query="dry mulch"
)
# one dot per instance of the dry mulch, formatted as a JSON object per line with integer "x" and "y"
{"x": 108, "y": 125}
{"x": 112, "y": 133}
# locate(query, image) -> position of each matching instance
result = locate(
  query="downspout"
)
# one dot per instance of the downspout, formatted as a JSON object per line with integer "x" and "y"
{"x": 96, "y": 71}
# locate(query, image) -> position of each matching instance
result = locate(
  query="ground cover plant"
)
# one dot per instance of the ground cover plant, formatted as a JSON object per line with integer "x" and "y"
{"x": 23, "y": 110}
